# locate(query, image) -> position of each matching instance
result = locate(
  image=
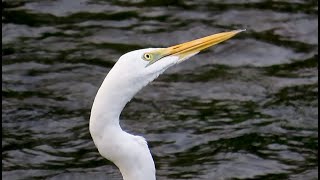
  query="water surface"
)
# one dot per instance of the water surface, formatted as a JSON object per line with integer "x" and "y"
{"x": 245, "y": 109}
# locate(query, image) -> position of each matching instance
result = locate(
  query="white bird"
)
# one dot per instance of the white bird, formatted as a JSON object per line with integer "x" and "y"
{"x": 133, "y": 71}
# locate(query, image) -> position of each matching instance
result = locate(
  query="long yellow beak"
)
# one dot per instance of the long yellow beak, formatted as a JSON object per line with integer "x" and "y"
{"x": 198, "y": 45}
{"x": 187, "y": 49}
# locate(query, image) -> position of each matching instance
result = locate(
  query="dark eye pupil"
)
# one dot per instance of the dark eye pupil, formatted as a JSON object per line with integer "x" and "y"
{"x": 148, "y": 56}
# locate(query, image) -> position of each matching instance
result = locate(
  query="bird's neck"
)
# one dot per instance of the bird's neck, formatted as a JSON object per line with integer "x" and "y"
{"x": 116, "y": 91}
{"x": 107, "y": 134}
{"x": 110, "y": 100}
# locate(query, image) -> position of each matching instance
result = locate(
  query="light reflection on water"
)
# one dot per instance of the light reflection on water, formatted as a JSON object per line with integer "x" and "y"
{"x": 245, "y": 109}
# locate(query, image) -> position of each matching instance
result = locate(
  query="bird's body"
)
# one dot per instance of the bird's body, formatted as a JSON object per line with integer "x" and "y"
{"x": 133, "y": 71}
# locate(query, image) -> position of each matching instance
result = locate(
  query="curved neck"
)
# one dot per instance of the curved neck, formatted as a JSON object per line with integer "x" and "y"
{"x": 116, "y": 91}
{"x": 130, "y": 153}
{"x": 110, "y": 100}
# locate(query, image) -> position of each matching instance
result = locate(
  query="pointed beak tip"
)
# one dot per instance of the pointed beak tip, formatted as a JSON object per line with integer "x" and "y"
{"x": 240, "y": 30}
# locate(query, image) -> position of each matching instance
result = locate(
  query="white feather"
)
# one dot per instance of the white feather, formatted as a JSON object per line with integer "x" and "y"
{"x": 128, "y": 152}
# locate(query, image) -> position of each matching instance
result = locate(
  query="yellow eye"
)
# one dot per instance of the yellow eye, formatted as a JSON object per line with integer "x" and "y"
{"x": 147, "y": 56}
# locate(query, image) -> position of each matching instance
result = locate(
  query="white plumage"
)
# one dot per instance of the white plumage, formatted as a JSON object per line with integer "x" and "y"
{"x": 133, "y": 71}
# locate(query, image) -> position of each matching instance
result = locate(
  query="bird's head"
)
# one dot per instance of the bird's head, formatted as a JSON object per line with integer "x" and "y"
{"x": 151, "y": 61}
{"x": 144, "y": 65}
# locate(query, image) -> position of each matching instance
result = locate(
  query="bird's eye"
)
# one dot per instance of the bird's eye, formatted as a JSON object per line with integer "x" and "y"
{"x": 147, "y": 56}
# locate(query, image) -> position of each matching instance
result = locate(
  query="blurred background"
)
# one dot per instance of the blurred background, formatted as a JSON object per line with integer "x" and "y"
{"x": 244, "y": 109}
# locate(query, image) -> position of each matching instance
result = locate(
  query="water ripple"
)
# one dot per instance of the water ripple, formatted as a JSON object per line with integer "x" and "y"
{"x": 246, "y": 109}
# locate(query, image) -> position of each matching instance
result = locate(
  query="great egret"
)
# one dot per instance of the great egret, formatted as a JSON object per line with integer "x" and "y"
{"x": 134, "y": 70}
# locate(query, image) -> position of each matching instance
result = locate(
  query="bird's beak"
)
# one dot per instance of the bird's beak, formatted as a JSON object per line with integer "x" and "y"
{"x": 193, "y": 47}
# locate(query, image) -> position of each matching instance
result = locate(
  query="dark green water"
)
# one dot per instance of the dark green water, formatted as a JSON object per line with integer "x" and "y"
{"x": 245, "y": 109}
